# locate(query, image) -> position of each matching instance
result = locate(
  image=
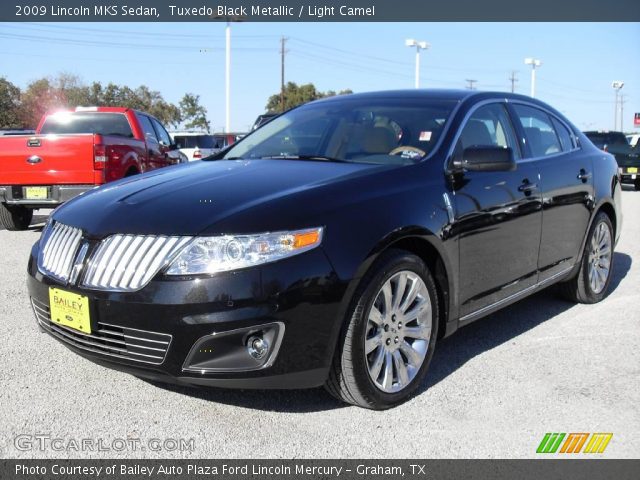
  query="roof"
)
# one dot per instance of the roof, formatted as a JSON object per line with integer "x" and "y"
{"x": 429, "y": 94}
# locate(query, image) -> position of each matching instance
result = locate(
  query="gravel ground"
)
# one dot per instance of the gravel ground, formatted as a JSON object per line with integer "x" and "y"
{"x": 494, "y": 389}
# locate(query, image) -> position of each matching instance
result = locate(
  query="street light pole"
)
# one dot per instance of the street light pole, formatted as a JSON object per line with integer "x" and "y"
{"x": 535, "y": 63}
{"x": 617, "y": 85}
{"x": 227, "y": 78}
{"x": 419, "y": 46}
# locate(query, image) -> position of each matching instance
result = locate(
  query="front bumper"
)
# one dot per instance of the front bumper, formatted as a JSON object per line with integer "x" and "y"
{"x": 57, "y": 194}
{"x": 301, "y": 294}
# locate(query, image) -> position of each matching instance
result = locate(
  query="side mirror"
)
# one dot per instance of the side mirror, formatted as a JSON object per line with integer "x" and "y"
{"x": 178, "y": 145}
{"x": 485, "y": 158}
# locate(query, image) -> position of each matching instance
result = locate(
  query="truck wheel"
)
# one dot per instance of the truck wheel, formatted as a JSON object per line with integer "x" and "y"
{"x": 15, "y": 217}
{"x": 637, "y": 184}
{"x": 387, "y": 345}
{"x": 591, "y": 282}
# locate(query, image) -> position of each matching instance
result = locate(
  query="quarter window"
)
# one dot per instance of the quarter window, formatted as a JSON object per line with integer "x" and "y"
{"x": 539, "y": 133}
{"x": 566, "y": 139}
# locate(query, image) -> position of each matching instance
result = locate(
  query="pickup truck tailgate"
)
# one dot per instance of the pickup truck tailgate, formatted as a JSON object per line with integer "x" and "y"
{"x": 47, "y": 160}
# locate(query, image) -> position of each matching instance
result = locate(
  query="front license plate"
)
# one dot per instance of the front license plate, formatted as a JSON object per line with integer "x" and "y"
{"x": 36, "y": 193}
{"x": 70, "y": 309}
{"x": 632, "y": 170}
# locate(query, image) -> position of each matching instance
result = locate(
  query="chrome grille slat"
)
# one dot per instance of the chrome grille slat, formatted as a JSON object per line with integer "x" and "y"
{"x": 96, "y": 342}
{"x": 61, "y": 244}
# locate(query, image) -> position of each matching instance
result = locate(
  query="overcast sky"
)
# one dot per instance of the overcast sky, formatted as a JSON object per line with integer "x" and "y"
{"x": 580, "y": 60}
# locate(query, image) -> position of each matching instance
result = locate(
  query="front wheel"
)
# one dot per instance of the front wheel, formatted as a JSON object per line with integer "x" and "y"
{"x": 388, "y": 343}
{"x": 591, "y": 282}
{"x": 15, "y": 217}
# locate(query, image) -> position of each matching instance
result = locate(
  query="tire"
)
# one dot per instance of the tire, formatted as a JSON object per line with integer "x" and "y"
{"x": 15, "y": 218}
{"x": 588, "y": 286}
{"x": 637, "y": 184}
{"x": 374, "y": 329}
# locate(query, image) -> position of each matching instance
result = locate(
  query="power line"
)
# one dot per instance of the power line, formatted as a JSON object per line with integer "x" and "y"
{"x": 470, "y": 83}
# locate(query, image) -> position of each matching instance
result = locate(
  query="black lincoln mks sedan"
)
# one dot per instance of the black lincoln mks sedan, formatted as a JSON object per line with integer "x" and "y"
{"x": 333, "y": 246}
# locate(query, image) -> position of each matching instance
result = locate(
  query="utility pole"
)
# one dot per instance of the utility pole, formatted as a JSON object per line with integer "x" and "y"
{"x": 283, "y": 41}
{"x": 513, "y": 80}
{"x": 470, "y": 84}
{"x": 622, "y": 100}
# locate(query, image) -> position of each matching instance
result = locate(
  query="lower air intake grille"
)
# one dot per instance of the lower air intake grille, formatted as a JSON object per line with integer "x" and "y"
{"x": 110, "y": 340}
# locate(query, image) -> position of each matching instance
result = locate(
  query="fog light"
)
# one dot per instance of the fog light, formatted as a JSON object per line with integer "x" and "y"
{"x": 257, "y": 347}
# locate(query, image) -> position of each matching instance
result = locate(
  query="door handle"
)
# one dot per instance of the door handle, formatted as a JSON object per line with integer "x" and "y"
{"x": 584, "y": 175}
{"x": 527, "y": 186}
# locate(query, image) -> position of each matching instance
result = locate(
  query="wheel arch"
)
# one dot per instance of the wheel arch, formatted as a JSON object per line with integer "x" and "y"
{"x": 427, "y": 246}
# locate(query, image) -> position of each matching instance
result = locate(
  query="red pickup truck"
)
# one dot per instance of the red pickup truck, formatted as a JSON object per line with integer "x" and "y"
{"x": 75, "y": 151}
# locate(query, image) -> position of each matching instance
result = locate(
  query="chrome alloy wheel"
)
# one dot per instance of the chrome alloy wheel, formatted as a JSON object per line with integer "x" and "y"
{"x": 398, "y": 331}
{"x": 600, "y": 257}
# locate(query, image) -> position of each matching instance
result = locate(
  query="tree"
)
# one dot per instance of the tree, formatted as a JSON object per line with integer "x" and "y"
{"x": 9, "y": 105}
{"x": 40, "y": 97}
{"x": 295, "y": 95}
{"x": 192, "y": 113}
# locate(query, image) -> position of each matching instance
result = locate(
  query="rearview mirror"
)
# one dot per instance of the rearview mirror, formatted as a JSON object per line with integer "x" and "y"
{"x": 485, "y": 158}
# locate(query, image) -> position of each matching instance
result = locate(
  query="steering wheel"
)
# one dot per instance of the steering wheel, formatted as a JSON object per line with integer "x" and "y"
{"x": 407, "y": 148}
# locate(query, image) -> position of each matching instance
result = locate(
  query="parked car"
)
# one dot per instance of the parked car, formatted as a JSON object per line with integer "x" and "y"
{"x": 194, "y": 144}
{"x": 72, "y": 153}
{"x": 628, "y": 158}
{"x": 262, "y": 119}
{"x": 333, "y": 246}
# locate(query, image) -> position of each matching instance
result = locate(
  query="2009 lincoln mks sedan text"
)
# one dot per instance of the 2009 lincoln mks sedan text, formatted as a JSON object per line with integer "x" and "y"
{"x": 332, "y": 246}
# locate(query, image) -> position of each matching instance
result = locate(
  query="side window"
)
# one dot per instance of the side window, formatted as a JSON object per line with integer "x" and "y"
{"x": 489, "y": 125}
{"x": 566, "y": 138}
{"x": 539, "y": 133}
{"x": 147, "y": 128}
{"x": 162, "y": 134}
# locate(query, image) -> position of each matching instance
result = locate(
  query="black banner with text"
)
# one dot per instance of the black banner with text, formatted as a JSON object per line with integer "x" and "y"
{"x": 326, "y": 11}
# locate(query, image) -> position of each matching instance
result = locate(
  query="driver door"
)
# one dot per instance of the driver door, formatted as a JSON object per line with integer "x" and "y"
{"x": 498, "y": 217}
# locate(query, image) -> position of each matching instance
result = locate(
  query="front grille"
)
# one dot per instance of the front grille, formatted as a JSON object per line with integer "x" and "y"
{"x": 111, "y": 340}
{"x": 128, "y": 262}
{"x": 59, "y": 250}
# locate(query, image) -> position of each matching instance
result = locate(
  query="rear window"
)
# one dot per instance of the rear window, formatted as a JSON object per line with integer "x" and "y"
{"x": 101, "y": 123}
{"x": 193, "y": 141}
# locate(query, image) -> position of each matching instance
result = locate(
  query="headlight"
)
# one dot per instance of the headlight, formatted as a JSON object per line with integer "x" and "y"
{"x": 231, "y": 252}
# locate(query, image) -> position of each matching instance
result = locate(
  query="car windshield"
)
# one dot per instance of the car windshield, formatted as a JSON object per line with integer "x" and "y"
{"x": 382, "y": 131}
{"x": 101, "y": 123}
{"x": 195, "y": 141}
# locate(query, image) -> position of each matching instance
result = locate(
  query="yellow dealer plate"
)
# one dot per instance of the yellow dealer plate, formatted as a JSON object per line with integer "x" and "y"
{"x": 70, "y": 309}
{"x": 36, "y": 193}
{"x": 632, "y": 170}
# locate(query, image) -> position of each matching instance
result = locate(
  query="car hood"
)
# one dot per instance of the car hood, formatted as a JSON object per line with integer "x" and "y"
{"x": 192, "y": 198}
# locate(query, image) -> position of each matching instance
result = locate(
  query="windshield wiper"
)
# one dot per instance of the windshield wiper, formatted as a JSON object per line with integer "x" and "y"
{"x": 322, "y": 158}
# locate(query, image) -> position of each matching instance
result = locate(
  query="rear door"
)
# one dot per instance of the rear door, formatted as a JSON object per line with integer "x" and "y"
{"x": 566, "y": 181}
{"x": 155, "y": 155}
{"x": 170, "y": 154}
{"x": 498, "y": 217}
